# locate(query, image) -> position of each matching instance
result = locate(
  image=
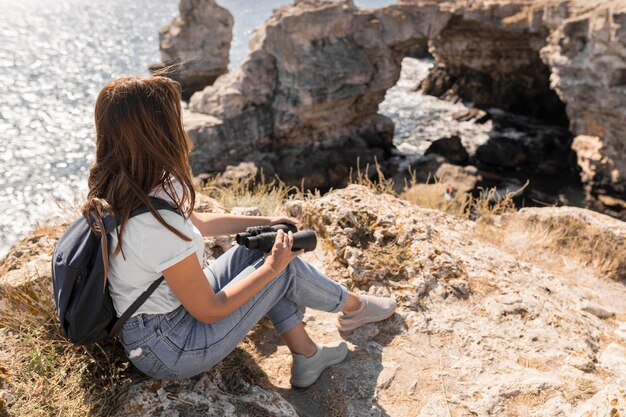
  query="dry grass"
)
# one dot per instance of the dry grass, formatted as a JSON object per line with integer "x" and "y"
{"x": 579, "y": 389}
{"x": 572, "y": 237}
{"x": 267, "y": 196}
{"x": 437, "y": 196}
{"x": 44, "y": 374}
{"x": 380, "y": 185}
{"x": 522, "y": 404}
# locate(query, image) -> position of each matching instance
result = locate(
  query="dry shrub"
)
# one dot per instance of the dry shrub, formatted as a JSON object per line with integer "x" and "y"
{"x": 380, "y": 185}
{"x": 269, "y": 196}
{"x": 436, "y": 196}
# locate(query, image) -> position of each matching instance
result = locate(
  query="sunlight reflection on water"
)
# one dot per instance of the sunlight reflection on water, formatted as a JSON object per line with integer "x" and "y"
{"x": 57, "y": 55}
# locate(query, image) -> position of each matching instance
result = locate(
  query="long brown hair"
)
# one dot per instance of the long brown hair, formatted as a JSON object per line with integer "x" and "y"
{"x": 140, "y": 145}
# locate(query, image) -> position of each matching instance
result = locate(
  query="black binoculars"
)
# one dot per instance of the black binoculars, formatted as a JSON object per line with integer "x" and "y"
{"x": 263, "y": 237}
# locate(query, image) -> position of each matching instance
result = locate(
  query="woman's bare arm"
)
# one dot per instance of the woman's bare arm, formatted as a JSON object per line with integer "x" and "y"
{"x": 217, "y": 224}
{"x": 189, "y": 284}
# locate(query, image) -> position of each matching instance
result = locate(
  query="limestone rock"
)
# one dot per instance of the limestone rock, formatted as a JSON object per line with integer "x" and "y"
{"x": 206, "y": 204}
{"x": 489, "y": 54}
{"x": 559, "y": 60}
{"x": 481, "y": 328}
{"x": 461, "y": 179}
{"x": 306, "y": 97}
{"x": 472, "y": 113}
{"x": 25, "y": 276}
{"x": 597, "y": 311}
{"x": 613, "y": 359}
{"x": 574, "y": 228}
{"x": 246, "y": 211}
{"x": 451, "y": 148}
{"x": 196, "y": 44}
{"x": 201, "y": 397}
{"x": 243, "y": 173}
{"x": 294, "y": 207}
{"x": 502, "y": 151}
{"x": 609, "y": 402}
{"x": 587, "y": 57}
{"x": 215, "y": 246}
{"x": 509, "y": 329}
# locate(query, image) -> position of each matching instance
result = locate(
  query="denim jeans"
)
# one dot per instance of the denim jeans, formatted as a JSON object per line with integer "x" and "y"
{"x": 176, "y": 345}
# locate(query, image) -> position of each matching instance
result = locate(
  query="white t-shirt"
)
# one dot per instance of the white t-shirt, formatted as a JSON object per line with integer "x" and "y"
{"x": 150, "y": 248}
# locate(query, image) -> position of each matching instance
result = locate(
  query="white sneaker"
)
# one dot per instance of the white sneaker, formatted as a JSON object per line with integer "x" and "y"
{"x": 372, "y": 309}
{"x": 305, "y": 371}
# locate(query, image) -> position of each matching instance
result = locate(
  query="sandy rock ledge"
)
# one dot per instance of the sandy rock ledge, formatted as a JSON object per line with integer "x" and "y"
{"x": 492, "y": 320}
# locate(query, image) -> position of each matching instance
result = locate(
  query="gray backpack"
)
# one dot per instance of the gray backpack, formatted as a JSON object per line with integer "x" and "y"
{"x": 84, "y": 305}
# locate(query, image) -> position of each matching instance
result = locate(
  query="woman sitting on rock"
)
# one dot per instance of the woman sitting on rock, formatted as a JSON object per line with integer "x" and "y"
{"x": 197, "y": 316}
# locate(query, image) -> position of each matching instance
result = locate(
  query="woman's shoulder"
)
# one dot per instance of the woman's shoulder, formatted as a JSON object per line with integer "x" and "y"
{"x": 147, "y": 223}
{"x": 147, "y": 230}
{"x": 155, "y": 244}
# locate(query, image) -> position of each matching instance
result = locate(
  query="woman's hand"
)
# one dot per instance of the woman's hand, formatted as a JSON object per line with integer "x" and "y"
{"x": 288, "y": 220}
{"x": 280, "y": 255}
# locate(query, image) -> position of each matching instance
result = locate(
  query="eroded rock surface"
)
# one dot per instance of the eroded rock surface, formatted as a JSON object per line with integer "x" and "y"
{"x": 196, "y": 44}
{"x": 507, "y": 316}
{"x": 305, "y": 99}
{"x": 204, "y": 396}
{"x": 587, "y": 55}
{"x": 481, "y": 330}
{"x": 549, "y": 59}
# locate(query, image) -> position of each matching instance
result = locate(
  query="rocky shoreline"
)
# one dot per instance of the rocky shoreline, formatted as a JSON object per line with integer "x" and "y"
{"x": 509, "y": 315}
{"x": 305, "y": 101}
{"x": 517, "y": 313}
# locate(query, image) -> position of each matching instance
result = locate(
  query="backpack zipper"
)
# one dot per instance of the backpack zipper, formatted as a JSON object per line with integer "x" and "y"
{"x": 79, "y": 279}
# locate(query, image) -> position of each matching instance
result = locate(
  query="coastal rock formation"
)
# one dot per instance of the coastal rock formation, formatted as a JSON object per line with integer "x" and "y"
{"x": 587, "y": 56}
{"x": 493, "y": 319}
{"x": 195, "y": 45}
{"x": 305, "y": 99}
{"x": 488, "y": 54}
{"x": 207, "y": 396}
{"x": 561, "y": 60}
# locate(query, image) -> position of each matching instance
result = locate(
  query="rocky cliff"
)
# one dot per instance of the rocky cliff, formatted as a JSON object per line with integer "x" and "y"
{"x": 195, "y": 45}
{"x": 305, "y": 100}
{"x": 554, "y": 59}
{"x": 587, "y": 57}
{"x": 515, "y": 315}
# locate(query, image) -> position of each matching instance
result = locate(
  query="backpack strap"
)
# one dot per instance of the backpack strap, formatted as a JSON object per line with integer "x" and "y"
{"x": 110, "y": 222}
{"x": 135, "y": 305}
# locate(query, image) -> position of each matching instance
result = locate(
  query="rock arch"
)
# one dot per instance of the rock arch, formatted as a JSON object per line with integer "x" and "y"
{"x": 304, "y": 102}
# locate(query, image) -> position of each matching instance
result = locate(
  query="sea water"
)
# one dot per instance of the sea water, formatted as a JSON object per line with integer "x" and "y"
{"x": 55, "y": 56}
